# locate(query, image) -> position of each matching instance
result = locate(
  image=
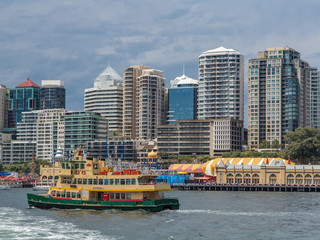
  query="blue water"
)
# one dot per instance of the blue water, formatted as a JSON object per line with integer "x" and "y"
{"x": 202, "y": 215}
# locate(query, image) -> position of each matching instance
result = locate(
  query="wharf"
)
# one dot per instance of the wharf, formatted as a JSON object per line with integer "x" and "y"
{"x": 249, "y": 188}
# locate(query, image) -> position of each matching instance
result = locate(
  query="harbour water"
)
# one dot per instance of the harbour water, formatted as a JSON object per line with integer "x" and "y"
{"x": 202, "y": 215}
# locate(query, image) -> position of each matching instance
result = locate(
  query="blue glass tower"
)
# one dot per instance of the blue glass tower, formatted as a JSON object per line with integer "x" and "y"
{"x": 183, "y": 97}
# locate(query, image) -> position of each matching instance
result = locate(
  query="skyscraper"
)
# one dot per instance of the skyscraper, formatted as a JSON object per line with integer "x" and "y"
{"x": 151, "y": 97}
{"x": 221, "y": 84}
{"x": 183, "y": 97}
{"x": 130, "y": 78}
{"x": 278, "y": 95}
{"x": 25, "y": 97}
{"x": 314, "y": 97}
{"x": 52, "y": 94}
{"x": 3, "y": 107}
{"x": 106, "y": 98}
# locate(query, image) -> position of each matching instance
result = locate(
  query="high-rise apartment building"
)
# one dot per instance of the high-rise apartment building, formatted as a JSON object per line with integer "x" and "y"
{"x": 45, "y": 129}
{"x": 52, "y": 94}
{"x": 3, "y": 107}
{"x": 77, "y": 128}
{"x": 106, "y": 98}
{"x": 183, "y": 99}
{"x": 278, "y": 95}
{"x": 25, "y": 97}
{"x": 221, "y": 84}
{"x": 130, "y": 78}
{"x": 151, "y": 97}
{"x": 314, "y": 97}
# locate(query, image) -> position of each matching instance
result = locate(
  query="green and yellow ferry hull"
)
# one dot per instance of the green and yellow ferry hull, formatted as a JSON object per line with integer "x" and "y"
{"x": 42, "y": 201}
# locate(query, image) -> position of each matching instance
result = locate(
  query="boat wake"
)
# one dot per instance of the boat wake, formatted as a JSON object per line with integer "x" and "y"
{"x": 234, "y": 213}
{"x": 16, "y": 224}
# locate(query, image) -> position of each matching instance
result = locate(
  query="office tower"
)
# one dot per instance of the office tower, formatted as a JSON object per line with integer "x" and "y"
{"x": 3, "y": 107}
{"x": 106, "y": 98}
{"x": 151, "y": 97}
{"x": 52, "y": 94}
{"x": 77, "y": 128}
{"x": 130, "y": 78}
{"x": 183, "y": 99}
{"x": 25, "y": 97}
{"x": 278, "y": 95}
{"x": 221, "y": 84}
{"x": 314, "y": 97}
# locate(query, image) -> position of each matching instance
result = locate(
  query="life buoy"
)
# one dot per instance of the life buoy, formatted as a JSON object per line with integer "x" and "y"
{"x": 77, "y": 172}
{"x": 83, "y": 172}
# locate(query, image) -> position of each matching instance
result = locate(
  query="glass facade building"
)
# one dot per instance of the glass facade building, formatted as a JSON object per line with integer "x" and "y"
{"x": 52, "y": 94}
{"x": 25, "y": 97}
{"x": 278, "y": 95}
{"x": 183, "y": 99}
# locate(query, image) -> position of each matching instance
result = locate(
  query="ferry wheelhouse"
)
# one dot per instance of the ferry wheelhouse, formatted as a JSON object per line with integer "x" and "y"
{"x": 87, "y": 183}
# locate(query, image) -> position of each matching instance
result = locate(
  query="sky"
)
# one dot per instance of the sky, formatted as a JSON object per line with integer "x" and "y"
{"x": 74, "y": 40}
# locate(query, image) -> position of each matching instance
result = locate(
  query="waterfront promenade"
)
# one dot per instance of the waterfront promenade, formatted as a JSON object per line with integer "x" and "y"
{"x": 244, "y": 187}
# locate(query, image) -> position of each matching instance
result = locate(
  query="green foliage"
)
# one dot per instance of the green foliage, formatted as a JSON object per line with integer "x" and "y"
{"x": 248, "y": 154}
{"x": 264, "y": 144}
{"x": 1, "y": 167}
{"x": 303, "y": 145}
{"x": 275, "y": 144}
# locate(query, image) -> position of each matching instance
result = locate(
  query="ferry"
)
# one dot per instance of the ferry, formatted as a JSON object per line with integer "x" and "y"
{"x": 87, "y": 183}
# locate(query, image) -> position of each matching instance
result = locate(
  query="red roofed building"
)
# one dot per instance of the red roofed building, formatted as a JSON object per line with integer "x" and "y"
{"x": 25, "y": 97}
{"x": 28, "y": 83}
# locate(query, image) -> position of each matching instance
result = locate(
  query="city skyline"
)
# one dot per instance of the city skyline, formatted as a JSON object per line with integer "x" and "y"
{"x": 73, "y": 41}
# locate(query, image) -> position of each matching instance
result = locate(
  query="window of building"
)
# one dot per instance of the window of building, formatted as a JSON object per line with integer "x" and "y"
{"x": 308, "y": 179}
{"x": 247, "y": 178}
{"x": 238, "y": 178}
{"x": 230, "y": 178}
{"x": 255, "y": 179}
{"x": 273, "y": 179}
{"x": 299, "y": 179}
{"x": 290, "y": 179}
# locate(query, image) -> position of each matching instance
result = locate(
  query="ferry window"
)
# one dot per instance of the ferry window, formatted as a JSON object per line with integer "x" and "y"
{"x": 58, "y": 193}
{"x": 111, "y": 181}
{"x": 111, "y": 195}
{"x": 53, "y": 193}
{"x": 95, "y": 166}
{"x": 82, "y": 166}
{"x": 100, "y": 181}
{"x": 84, "y": 181}
{"x": 139, "y": 180}
{"x": 63, "y": 194}
{"x": 68, "y": 195}
{"x": 123, "y": 196}
{"x": 90, "y": 181}
{"x": 78, "y": 195}
{"x": 133, "y": 181}
{"x": 77, "y": 166}
{"x": 128, "y": 195}
{"x": 63, "y": 165}
{"x": 79, "y": 180}
{"x": 116, "y": 182}
{"x": 74, "y": 181}
{"x": 106, "y": 182}
{"x": 122, "y": 182}
{"x": 73, "y": 195}
{"x": 72, "y": 166}
{"x": 68, "y": 165}
{"x": 117, "y": 195}
{"x": 127, "y": 181}
{"x": 68, "y": 180}
{"x": 95, "y": 181}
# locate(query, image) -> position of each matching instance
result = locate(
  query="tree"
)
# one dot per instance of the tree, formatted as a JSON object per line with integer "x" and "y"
{"x": 275, "y": 144}
{"x": 264, "y": 144}
{"x": 303, "y": 144}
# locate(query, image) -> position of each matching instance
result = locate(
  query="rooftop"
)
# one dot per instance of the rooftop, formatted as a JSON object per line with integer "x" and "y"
{"x": 28, "y": 83}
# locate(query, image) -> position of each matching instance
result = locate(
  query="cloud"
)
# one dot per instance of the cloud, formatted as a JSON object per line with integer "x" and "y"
{"x": 73, "y": 40}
